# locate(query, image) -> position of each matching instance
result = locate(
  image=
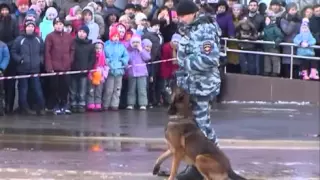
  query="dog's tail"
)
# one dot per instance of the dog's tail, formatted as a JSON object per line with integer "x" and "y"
{"x": 234, "y": 176}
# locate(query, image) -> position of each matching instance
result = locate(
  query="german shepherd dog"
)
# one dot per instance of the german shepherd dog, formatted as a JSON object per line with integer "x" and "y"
{"x": 186, "y": 142}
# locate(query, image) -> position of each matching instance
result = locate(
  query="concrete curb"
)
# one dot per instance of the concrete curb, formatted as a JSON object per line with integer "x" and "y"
{"x": 160, "y": 142}
{"x": 116, "y": 175}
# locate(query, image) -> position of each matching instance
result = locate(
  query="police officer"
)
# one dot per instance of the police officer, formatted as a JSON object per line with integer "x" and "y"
{"x": 198, "y": 73}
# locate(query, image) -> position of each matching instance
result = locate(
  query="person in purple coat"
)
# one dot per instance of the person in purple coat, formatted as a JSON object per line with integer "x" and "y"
{"x": 137, "y": 73}
{"x": 224, "y": 19}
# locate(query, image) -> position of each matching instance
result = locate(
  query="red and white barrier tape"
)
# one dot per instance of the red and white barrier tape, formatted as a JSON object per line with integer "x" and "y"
{"x": 75, "y": 72}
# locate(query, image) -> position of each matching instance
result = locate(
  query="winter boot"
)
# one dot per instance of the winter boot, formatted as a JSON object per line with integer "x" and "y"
{"x": 190, "y": 173}
{"x": 91, "y": 107}
{"x": 314, "y": 74}
{"x": 304, "y": 74}
{"x": 98, "y": 107}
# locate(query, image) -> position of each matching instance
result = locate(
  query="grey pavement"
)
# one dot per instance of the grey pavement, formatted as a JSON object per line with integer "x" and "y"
{"x": 230, "y": 121}
{"x": 29, "y": 150}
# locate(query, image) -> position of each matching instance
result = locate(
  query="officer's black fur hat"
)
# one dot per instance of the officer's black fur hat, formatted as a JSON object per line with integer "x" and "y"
{"x": 186, "y": 7}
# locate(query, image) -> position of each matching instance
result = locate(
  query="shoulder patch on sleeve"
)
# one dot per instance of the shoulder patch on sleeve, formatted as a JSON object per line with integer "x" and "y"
{"x": 207, "y": 47}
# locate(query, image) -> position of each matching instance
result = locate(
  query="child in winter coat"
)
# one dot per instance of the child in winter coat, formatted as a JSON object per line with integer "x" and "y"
{"x": 75, "y": 17}
{"x": 97, "y": 78}
{"x": 245, "y": 30}
{"x": 46, "y": 26}
{"x": 84, "y": 59}
{"x": 31, "y": 15}
{"x": 88, "y": 19}
{"x": 4, "y": 61}
{"x": 167, "y": 69}
{"x": 272, "y": 32}
{"x": 69, "y": 29}
{"x": 304, "y": 40}
{"x": 138, "y": 72}
{"x": 153, "y": 34}
{"x": 117, "y": 59}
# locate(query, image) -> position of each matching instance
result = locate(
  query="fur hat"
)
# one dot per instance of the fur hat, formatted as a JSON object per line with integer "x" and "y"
{"x": 186, "y": 7}
{"x": 146, "y": 42}
{"x": 51, "y": 10}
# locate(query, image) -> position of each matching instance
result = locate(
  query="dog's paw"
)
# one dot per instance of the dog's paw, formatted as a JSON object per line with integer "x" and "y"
{"x": 164, "y": 173}
{"x": 156, "y": 170}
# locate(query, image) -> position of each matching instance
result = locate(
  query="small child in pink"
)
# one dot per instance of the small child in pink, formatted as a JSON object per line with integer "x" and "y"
{"x": 97, "y": 78}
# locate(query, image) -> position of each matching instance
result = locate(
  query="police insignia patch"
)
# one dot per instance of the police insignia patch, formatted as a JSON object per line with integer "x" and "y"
{"x": 207, "y": 47}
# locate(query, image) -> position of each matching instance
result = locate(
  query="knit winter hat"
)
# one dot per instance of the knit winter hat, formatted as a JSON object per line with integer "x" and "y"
{"x": 98, "y": 41}
{"x": 140, "y": 17}
{"x": 186, "y": 7}
{"x": 175, "y": 37}
{"x": 275, "y": 2}
{"x": 74, "y": 10}
{"x": 237, "y": 6}
{"x": 36, "y": 8}
{"x": 146, "y": 42}
{"x": 290, "y": 6}
{"x": 135, "y": 38}
{"x": 154, "y": 22}
{"x": 22, "y": 2}
{"x": 305, "y": 25}
{"x": 51, "y": 10}
{"x": 57, "y": 19}
{"x": 113, "y": 32}
{"x": 27, "y": 23}
{"x": 85, "y": 29}
{"x": 31, "y": 12}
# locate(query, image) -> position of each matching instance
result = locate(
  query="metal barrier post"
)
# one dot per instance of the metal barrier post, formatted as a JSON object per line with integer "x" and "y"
{"x": 225, "y": 52}
{"x": 291, "y": 61}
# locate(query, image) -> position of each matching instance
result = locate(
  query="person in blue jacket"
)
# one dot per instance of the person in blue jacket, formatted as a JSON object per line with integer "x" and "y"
{"x": 4, "y": 61}
{"x": 304, "y": 40}
{"x": 117, "y": 59}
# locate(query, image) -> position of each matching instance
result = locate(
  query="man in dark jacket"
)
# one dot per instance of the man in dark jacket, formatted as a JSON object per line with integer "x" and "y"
{"x": 8, "y": 32}
{"x": 27, "y": 51}
{"x": 258, "y": 21}
{"x": 58, "y": 58}
{"x": 315, "y": 26}
{"x": 154, "y": 35}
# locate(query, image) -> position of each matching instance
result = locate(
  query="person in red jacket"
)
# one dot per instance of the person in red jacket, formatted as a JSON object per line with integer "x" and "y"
{"x": 168, "y": 68}
{"x": 59, "y": 52}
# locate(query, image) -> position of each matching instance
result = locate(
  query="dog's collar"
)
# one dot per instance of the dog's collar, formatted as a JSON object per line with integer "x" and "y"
{"x": 176, "y": 117}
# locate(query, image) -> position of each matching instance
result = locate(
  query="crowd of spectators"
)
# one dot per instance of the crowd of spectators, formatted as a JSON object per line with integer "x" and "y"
{"x": 38, "y": 36}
